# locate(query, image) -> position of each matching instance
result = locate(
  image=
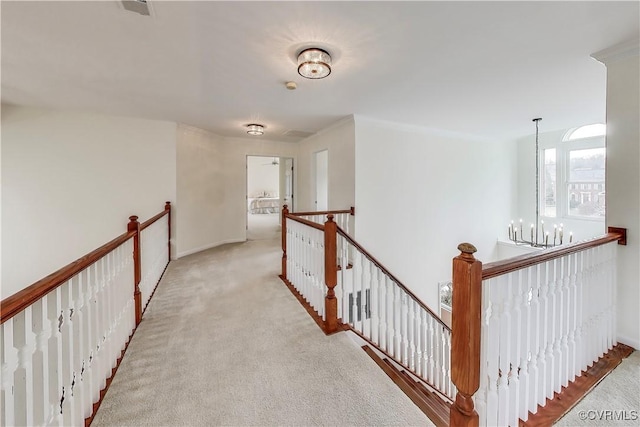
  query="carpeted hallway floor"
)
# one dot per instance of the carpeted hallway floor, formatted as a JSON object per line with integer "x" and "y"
{"x": 223, "y": 342}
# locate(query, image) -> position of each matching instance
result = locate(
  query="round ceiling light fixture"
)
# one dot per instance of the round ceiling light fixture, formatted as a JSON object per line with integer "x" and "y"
{"x": 314, "y": 63}
{"x": 255, "y": 129}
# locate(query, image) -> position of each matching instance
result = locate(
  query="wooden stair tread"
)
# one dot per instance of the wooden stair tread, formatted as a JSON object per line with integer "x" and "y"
{"x": 432, "y": 405}
{"x": 569, "y": 396}
{"x": 440, "y": 406}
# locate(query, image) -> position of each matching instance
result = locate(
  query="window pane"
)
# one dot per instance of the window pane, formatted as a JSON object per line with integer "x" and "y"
{"x": 548, "y": 184}
{"x": 588, "y": 131}
{"x": 586, "y": 182}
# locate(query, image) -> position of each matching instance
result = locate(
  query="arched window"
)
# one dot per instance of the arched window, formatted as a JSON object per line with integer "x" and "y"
{"x": 576, "y": 163}
{"x": 587, "y": 131}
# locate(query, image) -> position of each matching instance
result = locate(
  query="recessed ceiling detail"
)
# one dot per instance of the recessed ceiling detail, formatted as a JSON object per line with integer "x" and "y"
{"x": 297, "y": 134}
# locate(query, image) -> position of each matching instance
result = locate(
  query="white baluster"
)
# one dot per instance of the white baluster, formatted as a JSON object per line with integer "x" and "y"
{"x": 525, "y": 290}
{"x": 424, "y": 341}
{"x": 411, "y": 360}
{"x": 391, "y": 339}
{"x": 397, "y": 321}
{"x": 366, "y": 280}
{"x": 437, "y": 355}
{"x": 515, "y": 338}
{"x": 567, "y": 310}
{"x": 418, "y": 338}
{"x": 504, "y": 350}
{"x": 9, "y": 360}
{"x": 40, "y": 385}
{"x": 23, "y": 374}
{"x": 404, "y": 327}
{"x": 493, "y": 312}
{"x": 373, "y": 304}
{"x": 68, "y": 375}
{"x": 431, "y": 350}
{"x": 382, "y": 310}
{"x": 55, "y": 317}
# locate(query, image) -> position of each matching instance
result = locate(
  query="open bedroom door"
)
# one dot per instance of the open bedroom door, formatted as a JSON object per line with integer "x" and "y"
{"x": 286, "y": 182}
{"x": 269, "y": 186}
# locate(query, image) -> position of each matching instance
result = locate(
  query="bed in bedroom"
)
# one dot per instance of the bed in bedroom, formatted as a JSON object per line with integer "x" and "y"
{"x": 264, "y": 205}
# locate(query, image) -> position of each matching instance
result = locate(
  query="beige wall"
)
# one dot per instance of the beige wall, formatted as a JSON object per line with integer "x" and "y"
{"x": 419, "y": 193}
{"x": 70, "y": 181}
{"x": 339, "y": 140}
{"x": 623, "y": 185}
{"x": 211, "y": 190}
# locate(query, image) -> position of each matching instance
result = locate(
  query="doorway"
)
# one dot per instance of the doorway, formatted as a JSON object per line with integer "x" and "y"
{"x": 321, "y": 168}
{"x": 269, "y": 186}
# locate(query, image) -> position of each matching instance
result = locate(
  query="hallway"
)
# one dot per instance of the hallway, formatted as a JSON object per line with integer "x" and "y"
{"x": 223, "y": 342}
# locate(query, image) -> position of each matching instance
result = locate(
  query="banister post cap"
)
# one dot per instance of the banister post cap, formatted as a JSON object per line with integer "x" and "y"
{"x": 330, "y": 218}
{"x": 467, "y": 248}
{"x": 133, "y": 218}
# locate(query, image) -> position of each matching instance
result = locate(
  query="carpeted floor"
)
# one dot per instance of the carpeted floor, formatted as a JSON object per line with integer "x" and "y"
{"x": 614, "y": 402}
{"x": 223, "y": 342}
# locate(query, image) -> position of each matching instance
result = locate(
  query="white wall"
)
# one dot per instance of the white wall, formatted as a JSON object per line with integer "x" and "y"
{"x": 262, "y": 176}
{"x": 623, "y": 184}
{"x": 582, "y": 229}
{"x": 339, "y": 140}
{"x": 211, "y": 189}
{"x": 70, "y": 181}
{"x": 419, "y": 194}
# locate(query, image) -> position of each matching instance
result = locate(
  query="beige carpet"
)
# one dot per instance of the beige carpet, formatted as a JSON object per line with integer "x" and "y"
{"x": 223, "y": 342}
{"x": 263, "y": 226}
{"x": 614, "y": 402}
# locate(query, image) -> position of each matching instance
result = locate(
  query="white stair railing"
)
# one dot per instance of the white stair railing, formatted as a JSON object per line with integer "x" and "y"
{"x": 525, "y": 327}
{"x": 384, "y": 312}
{"x": 305, "y": 261}
{"x": 58, "y": 352}
{"x": 62, "y": 337}
{"x": 154, "y": 255}
{"x": 542, "y": 326}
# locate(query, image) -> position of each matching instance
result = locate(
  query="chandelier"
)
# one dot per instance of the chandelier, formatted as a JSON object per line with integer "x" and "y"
{"x": 538, "y": 236}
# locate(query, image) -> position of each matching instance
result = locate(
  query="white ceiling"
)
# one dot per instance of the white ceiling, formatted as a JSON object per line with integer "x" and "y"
{"x": 480, "y": 68}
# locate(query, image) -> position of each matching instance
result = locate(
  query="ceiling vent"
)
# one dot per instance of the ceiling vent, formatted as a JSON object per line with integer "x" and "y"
{"x": 297, "y": 134}
{"x": 137, "y": 6}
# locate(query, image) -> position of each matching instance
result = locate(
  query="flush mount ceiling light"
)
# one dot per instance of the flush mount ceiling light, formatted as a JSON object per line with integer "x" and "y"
{"x": 314, "y": 63}
{"x": 254, "y": 129}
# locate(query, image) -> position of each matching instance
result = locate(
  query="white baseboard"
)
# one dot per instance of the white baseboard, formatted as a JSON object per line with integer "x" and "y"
{"x": 628, "y": 341}
{"x": 204, "y": 248}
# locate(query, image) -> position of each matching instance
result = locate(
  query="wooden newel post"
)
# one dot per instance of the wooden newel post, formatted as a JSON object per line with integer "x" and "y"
{"x": 134, "y": 226}
{"x": 465, "y": 335}
{"x": 331, "y": 274}
{"x": 167, "y": 207}
{"x": 285, "y": 211}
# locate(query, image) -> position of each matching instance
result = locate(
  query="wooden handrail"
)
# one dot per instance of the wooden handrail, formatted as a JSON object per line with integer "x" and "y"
{"x": 348, "y": 211}
{"x": 499, "y": 268}
{"x": 391, "y": 276}
{"x": 17, "y": 302}
{"x": 305, "y": 222}
{"x": 153, "y": 219}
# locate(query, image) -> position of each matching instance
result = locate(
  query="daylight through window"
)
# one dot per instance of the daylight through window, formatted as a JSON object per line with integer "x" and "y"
{"x": 572, "y": 181}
